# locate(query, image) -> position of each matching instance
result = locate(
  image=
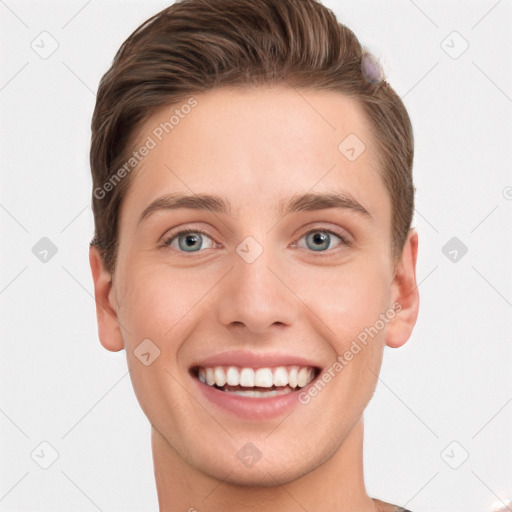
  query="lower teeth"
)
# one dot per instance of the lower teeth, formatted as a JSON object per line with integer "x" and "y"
{"x": 260, "y": 394}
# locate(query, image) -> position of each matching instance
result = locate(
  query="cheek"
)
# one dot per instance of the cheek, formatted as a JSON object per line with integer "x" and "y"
{"x": 154, "y": 301}
{"x": 347, "y": 299}
{"x": 165, "y": 306}
{"x": 154, "y": 306}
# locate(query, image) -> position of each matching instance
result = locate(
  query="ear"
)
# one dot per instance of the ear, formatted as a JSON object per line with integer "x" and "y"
{"x": 106, "y": 314}
{"x": 405, "y": 298}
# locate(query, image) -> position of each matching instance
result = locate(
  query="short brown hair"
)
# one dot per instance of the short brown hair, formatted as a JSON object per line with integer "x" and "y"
{"x": 194, "y": 46}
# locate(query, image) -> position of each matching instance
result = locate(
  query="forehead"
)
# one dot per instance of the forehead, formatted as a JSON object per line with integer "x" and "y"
{"x": 257, "y": 143}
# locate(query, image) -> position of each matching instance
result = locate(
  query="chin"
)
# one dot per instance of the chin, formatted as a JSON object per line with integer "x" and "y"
{"x": 250, "y": 467}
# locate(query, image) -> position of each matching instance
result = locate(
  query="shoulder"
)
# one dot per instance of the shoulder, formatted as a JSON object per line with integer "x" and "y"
{"x": 382, "y": 506}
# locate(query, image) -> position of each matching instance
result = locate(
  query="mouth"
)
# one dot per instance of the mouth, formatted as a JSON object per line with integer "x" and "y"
{"x": 260, "y": 382}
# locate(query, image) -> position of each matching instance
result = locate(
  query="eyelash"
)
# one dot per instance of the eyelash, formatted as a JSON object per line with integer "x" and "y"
{"x": 343, "y": 240}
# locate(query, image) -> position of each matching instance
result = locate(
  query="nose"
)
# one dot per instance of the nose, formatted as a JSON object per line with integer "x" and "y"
{"x": 257, "y": 297}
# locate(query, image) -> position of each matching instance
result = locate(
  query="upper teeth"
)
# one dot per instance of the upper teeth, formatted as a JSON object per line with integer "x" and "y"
{"x": 294, "y": 376}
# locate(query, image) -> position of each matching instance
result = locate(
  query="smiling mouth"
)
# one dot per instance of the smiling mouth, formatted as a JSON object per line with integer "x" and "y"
{"x": 256, "y": 382}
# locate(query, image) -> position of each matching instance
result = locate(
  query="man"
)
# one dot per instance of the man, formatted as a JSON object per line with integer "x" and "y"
{"x": 253, "y": 253}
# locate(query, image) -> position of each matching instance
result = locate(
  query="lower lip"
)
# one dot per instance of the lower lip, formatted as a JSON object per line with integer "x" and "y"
{"x": 265, "y": 408}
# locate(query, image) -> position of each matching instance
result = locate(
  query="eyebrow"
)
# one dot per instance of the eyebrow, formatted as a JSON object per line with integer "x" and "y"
{"x": 319, "y": 201}
{"x": 217, "y": 204}
{"x": 194, "y": 202}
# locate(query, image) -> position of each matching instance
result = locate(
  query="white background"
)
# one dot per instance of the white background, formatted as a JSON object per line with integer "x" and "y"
{"x": 449, "y": 385}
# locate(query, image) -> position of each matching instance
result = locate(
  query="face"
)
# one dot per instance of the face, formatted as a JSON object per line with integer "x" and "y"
{"x": 266, "y": 274}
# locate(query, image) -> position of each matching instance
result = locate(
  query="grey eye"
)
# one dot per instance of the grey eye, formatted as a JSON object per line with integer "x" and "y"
{"x": 190, "y": 241}
{"x": 319, "y": 240}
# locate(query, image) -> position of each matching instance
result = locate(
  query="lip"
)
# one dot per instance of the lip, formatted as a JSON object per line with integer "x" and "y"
{"x": 245, "y": 359}
{"x": 252, "y": 409}
{"x": 248, "y": 408}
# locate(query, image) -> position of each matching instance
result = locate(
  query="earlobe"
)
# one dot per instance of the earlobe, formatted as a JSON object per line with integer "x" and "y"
{"x": 404, "y": 295}
{"x": 109, "y": 332}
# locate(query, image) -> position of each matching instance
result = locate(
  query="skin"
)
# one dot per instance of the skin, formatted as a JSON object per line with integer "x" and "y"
{"x": 256, "y": 147}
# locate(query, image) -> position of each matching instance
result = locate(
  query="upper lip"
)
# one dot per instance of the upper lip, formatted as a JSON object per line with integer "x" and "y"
{"x": 245, "y": 359}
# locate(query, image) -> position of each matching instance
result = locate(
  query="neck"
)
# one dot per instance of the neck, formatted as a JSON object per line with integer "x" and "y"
{"x": 336, "y": 485}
